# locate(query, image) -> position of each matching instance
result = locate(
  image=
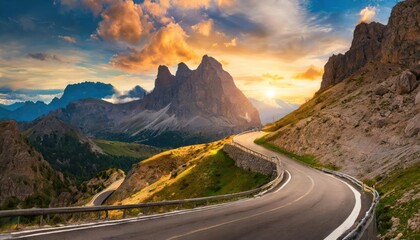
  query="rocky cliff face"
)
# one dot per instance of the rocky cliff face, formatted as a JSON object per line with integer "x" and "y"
{"x": 402, "y": 36}
{"x": 191, "y": 107}
{"x": 365, "y": 47}
{"x": 27, "y": 180}
{"x": 369, "y": 122}
{"x": 395, "y": 43}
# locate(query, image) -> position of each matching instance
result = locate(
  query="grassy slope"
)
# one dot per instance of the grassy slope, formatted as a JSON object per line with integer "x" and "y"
{"x": 188, "y": 172}
{"x": 306, "y": 159}
{"x": 213, "y": 175}
{"x": 134, "y": 150}
{"x": 398, "y": 199}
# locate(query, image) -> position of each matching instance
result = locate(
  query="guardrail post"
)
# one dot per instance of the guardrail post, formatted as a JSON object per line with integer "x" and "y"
{"x": 124, "y": 213}
{"x": 41, "y": 220}
{"x": 99, "y": 215}
{"x": 106, "y": 214}
{"x": 18, "y": 221}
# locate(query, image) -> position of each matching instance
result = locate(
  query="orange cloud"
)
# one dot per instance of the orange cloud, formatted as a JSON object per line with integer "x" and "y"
{"x": 191, "y": 4}
{"x": 204, "y": 27}
{"x": 167, "y": 46}
{"x": 123, "y": 21}
{"x": 367, "y": 14}
{"x": 312, "y": 73}
{"x": 272, "y": 76}
{"x": 68, "y": 39}
{"x": 226, "y": 3}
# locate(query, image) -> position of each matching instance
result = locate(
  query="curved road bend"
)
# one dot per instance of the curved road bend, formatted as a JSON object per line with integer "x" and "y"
{"x": 312, "y": 205}
{"x": 100, "y": 197}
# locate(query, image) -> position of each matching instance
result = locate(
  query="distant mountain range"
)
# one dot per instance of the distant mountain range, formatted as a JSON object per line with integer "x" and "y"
{"x": 28, "y": 111}
{"x": 271, "y": 112}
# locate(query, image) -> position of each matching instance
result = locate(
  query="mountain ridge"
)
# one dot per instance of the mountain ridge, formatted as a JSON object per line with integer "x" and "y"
{"x": 28, "y": 111}
{"x": 191, "y": 107}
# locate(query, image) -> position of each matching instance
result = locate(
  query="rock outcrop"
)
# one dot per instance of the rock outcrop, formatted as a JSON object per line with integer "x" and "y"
{"x": 365, "y": 47}
{"x": 402, "y": 36}
{"x": 395, "y": 43}
{"x": 405, "y": 82}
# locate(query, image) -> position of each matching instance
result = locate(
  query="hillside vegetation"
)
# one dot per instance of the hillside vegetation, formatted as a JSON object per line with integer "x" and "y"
{"x": 186, "y": 172}
{"x": 398, "y": 212}
{"x": 134, "y": 150}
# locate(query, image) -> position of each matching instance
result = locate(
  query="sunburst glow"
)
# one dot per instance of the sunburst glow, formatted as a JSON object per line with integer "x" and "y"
{"x": 270, "y": 93}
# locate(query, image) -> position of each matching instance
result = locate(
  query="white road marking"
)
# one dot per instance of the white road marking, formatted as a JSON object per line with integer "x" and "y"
{"x": 288, "y": 180}
{"x": 351, "y": 219}
{"x": 250, "y": 216}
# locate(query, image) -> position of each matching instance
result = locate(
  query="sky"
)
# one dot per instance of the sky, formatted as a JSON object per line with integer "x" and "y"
{"x": 274, "y": 49}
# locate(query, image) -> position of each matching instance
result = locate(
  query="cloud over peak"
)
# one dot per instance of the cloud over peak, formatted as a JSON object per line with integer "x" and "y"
{"x": 123, "y": 21}
{"x": 167, "y": 46}
{"x": 367, "y": 14}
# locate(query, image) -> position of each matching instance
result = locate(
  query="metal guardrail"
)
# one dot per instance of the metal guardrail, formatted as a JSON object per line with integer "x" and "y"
{"x": 71, "y": 210}
{"x": 363, "y": 224}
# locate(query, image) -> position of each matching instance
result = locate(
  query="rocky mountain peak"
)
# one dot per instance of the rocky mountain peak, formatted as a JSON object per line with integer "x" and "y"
{"x": 164, "y": 78}
{"x": 183, "y": 72}
{"x": 367, "y": 34}
{"x": 365, "y": 47}
{"x": 396, "y": 43}
{"x": 208, "y": 63}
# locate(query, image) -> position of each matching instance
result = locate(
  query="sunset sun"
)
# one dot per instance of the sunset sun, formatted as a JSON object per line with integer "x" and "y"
{"x": 270, "y": 93}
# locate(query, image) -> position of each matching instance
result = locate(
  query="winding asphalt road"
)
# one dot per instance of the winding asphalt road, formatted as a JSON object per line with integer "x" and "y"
{"x": 100, "y": 198}
{"x": 308, "y": 205}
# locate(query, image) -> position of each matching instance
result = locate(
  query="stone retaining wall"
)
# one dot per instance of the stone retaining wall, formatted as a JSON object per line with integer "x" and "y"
{"x": 248, "y": 161}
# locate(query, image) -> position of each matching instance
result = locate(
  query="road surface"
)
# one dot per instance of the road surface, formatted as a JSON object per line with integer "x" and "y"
{"x": 308, "y": 205}
{"x": 100, "y": 197}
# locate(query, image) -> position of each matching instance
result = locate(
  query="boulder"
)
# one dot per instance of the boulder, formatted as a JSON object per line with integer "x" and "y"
{"x": 405, "y": 82}
{"x": 381, "y": 90}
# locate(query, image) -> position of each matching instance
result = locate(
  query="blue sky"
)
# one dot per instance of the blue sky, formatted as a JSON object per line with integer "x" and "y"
{"x": 265, "y": 45}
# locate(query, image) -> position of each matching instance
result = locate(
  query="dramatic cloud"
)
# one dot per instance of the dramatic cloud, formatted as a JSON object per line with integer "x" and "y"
{"x": 191, "y": 4}
{"x": 204, "y": 27}
{"x": 123, "y": 21}
{"x": 167, "y": 46}
{"x": 44, "y": 57}
{"x": 68, "y": 39}
{"x": 367, "y": 14}
{"x": 312, "y": 73}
